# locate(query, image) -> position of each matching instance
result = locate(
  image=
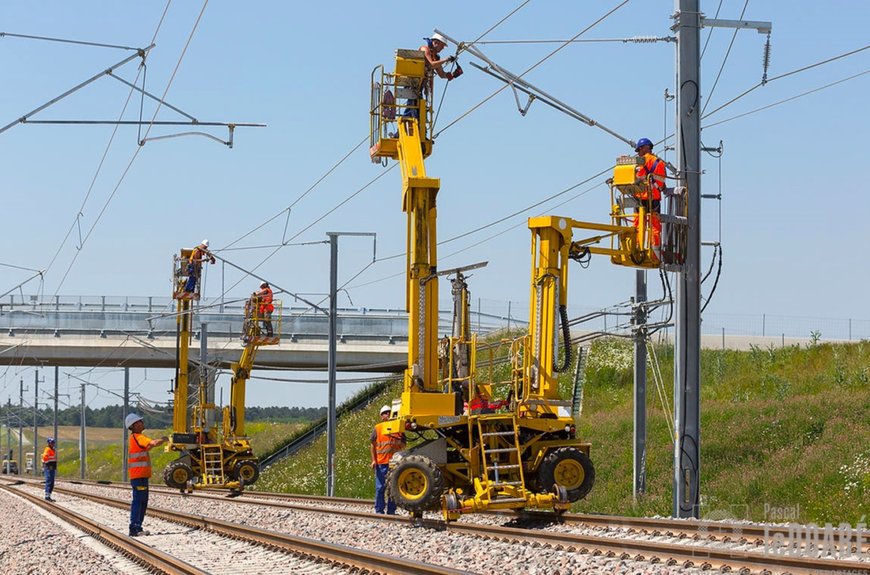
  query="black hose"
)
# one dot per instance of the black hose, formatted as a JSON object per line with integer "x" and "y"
{"x": 566, "y": 336}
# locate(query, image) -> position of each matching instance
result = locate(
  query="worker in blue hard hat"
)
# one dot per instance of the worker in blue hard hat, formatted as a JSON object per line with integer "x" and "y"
{"x": 651, "y": 172}
{"x": 49, "y": 467}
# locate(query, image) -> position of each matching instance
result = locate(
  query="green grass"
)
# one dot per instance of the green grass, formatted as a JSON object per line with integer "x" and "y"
{"x": 783, "y": 430}
{"x": 305, "y": 472}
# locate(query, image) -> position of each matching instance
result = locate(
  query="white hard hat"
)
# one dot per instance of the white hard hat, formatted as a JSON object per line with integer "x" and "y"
{"x": 131, "y": 419}
{"x": 204, "y": 243}
{"x": 440, "y": 38}
{"x": 385, "y": 409}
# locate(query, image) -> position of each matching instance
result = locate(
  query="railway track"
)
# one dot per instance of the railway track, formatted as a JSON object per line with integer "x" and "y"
{"x": 143, "y": 554}
{"x": 731, "y": 547}
{"x": 309, "y": 555}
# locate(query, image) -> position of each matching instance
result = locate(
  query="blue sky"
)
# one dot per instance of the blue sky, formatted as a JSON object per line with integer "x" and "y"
{"x": 790, "y": 174}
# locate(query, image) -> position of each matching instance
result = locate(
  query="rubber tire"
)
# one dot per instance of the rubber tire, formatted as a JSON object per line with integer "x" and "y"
{"x": 569, "y": 467}
{"x": 247, "y": 471}
{"x": 177, "y": 474}
{"x": 415, "y": 484}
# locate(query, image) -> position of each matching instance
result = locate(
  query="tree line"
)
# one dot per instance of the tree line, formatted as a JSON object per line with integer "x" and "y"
{"x": 113, "y": 415}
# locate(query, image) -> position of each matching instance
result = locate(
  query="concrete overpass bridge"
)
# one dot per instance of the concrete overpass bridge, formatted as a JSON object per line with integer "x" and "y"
{"x": 108, "y": 331}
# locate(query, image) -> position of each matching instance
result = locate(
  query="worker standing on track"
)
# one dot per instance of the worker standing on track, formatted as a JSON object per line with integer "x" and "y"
{"x": 49, "y": 467}
{"x": 384, "y": 445}
{"x": 263, "y": 303}
{"x": 139, "y": 467}
{"x": 199, "y": 255}
{"x": 652, "y": 169}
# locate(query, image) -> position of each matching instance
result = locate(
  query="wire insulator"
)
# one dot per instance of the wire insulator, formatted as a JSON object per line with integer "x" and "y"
{"x": 645, "y": 39}
{"x": 766, "y": 60}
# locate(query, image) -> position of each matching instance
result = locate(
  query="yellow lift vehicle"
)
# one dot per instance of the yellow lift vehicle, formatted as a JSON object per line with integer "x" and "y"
{"x": 209, "y": 459}
{"x": 470, "y": 460}
{"x": 476, "y": 453}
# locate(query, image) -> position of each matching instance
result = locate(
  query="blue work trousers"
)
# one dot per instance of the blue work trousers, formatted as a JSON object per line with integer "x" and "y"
{"x": 381, "y": 491}
{"x": 140, "y": 503}
{"x": 192, "y": 278}
{"x": 49, "y": 473}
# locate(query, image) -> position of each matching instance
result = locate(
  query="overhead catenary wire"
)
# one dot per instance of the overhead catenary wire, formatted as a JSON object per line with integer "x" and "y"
{"x": 724, "y": 60}
{"x": 138, "y": 148}
{"x": 341, "y": 161}
{"x": 778, "y": 102}
{"x": 785, "y": 75}
{"x": 97, "y": 172}
{"x": 631, "y": 40}
{"x": 532, "y": 67}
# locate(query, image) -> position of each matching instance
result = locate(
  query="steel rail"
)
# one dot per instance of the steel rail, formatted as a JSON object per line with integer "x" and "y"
{"x": 340, "y": 554}
{"x": 711, "y": 530}
{"x": 141, "y": 553}
{"x": 615, "y": 545}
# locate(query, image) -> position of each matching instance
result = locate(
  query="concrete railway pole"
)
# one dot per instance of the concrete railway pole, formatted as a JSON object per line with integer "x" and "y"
{"x": 35, "y": 420}
{"x": 640, "y": 296}
{"x": 56, "y": 438}
{"x": 21, "y": 427}
{"x": 83, "y": 448}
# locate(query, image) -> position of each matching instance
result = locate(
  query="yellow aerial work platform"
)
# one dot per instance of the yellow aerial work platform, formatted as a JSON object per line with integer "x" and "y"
{"x": 210, "y": 458}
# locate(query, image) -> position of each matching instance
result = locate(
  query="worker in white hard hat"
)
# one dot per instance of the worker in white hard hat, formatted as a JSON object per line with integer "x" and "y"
{"x": 434, "y": 61}
{"x": 139, "y": 470}
{"x": 384, "y": 446}
{"x": 262, "y": 303}
{"x": 434, "y": 65}
{"x": 198, "y": 255}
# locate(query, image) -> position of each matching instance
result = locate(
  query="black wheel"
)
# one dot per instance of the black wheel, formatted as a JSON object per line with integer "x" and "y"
{"x": 177, "y": 474}
{"x": 415, "y": 484}
{"x": 247, "y": 471}
{"x": 570, "y": 468}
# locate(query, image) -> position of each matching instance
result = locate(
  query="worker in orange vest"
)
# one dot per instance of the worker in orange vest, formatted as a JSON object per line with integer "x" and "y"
{"x": 49, "y": 467}
{"x": 264, "y": 306}
{"x": 199, "y": 255}
{"x": 384, "y": 446}
{"x": 139, "y": 470}
{"x": 481, "y": 405}
{"x": 651, "y": 169}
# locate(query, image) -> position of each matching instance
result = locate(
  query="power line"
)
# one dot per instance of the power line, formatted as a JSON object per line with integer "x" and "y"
{"x": 802, "y": 94}
{"x": 710, "y": 33}
{"x": 535, "y": 65}
{"x": 725, "y": 59}
{"x": 80, "y": 211}
{"x": 341, "y": 161}
{"x": 802, "y": 69}
{"x": 138, "y": 148}
{"x": 631, "y": 40}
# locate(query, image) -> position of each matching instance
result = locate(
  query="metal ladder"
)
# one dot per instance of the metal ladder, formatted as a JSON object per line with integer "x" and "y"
{"x": 213, "y": 465}
{"x": 500, "y": 453}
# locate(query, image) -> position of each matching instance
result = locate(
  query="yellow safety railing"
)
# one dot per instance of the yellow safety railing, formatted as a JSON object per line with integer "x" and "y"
{"x": 396, "y": 96}
{"x": 262, "y": 326}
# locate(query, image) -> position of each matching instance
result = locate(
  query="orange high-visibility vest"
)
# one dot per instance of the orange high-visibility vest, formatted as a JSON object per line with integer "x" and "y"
{"x": 265, "y": 296}
{"x": 652, "y": 166}
{"x": 49, "y": 455}
{"x": 386, "y": 444}
{"x": 138, "y": 459}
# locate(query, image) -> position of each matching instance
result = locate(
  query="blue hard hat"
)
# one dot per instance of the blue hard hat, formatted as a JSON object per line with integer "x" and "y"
{"x": 49, "y": 440}
{"x": 643, "y": 142}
